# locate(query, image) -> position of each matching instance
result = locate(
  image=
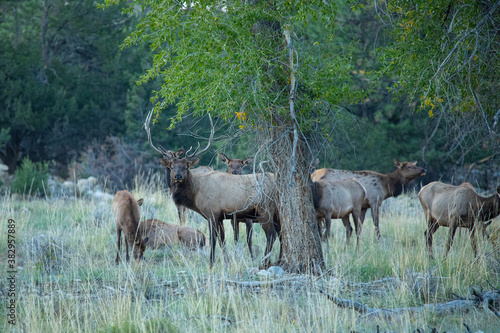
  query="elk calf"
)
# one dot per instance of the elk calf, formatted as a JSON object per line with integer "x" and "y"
{"x": 456, "y": 206}
{"x": 338, "y": 200}
{"x": 126, "y": 211}
{"x": 164, "y": 234}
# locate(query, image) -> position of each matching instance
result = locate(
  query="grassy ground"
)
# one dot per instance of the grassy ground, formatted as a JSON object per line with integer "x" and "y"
{"x": 67, "y": 280}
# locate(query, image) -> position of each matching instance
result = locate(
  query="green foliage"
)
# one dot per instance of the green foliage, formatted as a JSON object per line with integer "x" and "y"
{"x": 444, "y": 52}
{"x": 4, "y": 136}
{"x": 231, "y": 59}
{"x": 31, "y": 178}
{"x": 64, "y": 79}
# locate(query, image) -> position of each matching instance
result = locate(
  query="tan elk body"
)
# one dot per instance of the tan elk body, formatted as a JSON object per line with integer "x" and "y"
{"x": 456, "y": 206}
{"x": 126, "y": 211}
{"x": 378, "y": 186}
{"x": 160, "y": 234}
{"x": 338, "y": 200}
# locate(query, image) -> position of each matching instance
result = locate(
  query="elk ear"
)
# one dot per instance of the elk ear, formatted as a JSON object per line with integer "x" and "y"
{"x": 224, "y": 158}
{"x": 397, "y": 164}
{"x": 414, "y": 163}
{"x": 193, "y": 163}
{"x": 140, "y": 201}
{"x": 166, "y": 163}
{"x": 247, "y": 160}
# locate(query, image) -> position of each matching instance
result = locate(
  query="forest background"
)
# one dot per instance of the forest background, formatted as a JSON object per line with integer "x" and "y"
{"x": 70, "y": 98}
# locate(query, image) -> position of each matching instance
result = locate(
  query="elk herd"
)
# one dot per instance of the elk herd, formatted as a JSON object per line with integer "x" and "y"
{"x": 337, "y": 194}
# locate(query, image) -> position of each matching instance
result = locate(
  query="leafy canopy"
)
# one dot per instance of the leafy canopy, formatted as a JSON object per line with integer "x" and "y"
{"x": 220, "y": 57}
{"x": 446, "y": 52}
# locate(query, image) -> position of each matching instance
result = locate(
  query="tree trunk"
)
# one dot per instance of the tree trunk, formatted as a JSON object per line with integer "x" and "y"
{"x": 300, "y": 241}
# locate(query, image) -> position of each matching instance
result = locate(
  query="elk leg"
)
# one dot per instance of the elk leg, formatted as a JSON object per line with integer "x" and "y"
{"x": 118, "y": 244}
{"x": 222, "y": 237}
{"x": 432, "y": 226}
{"x": 348, "y": 228}
{"x": 473, "y": 240}
{"x": 357, "y": 226}
{"x": 213, "y": 240}
{"x": 320, "y": 225}
{"x": 236, "y": 229}
{"x": 451, "y": 235}
{"x": 375, "y": 213}
{"x": 270, "y": 239}
{"x": 127, "y": 257}
{"x": 181, "y": 211}
{"x": 277, "y": 230}
{"x": 363, "y": 215}
{"x": 328, "y": 223}
{"x": 249, "y": 225}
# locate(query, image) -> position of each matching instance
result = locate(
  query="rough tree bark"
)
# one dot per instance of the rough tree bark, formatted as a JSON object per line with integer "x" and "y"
{"x": 300, "y": 241}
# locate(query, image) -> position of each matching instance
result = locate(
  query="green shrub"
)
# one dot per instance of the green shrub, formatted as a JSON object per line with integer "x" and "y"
{"x": 31, "y": 178}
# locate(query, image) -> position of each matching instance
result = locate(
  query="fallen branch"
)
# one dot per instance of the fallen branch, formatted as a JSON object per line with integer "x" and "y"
{"x": 486, "y": 301}
{"x": 265, "y": 283}
{"x": 223, "y": 318}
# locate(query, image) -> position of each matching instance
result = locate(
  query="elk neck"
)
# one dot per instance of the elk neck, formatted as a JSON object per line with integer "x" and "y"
{"x": 490, "y": 207}
{"x": 316, "y": 195}
{"x": 184, "y": 193}
{"x": 393, "y": 184}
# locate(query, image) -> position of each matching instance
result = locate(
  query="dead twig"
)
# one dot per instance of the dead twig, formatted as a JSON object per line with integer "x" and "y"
{"x": 266, "y": 283}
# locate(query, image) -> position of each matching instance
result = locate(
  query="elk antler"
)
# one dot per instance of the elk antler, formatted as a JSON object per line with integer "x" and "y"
{"x": 210, "y": 140}
{"x": 162, "y": 151}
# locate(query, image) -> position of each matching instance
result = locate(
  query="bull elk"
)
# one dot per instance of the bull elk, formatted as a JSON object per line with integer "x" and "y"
{"x": 339, "y": 200}
{"x": 457, "y": 206}
{"x": 378, "y": 186}
{"x": 181, "y": 210}
{"x": 217, "y": 195}
{"x": 235, "y": 167}
{"x": 126, "y": 211}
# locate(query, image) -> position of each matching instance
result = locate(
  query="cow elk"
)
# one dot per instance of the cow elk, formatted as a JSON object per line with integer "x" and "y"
{"x": 378, "y": 186}
{"x": 217, "y": 195}
{"x": 126, "y": 211}
{"x": 235, "y": 167}
{"x": 161, "y": 234}
{"x": 457, "y": 206}
{"x": 338, "y": 200}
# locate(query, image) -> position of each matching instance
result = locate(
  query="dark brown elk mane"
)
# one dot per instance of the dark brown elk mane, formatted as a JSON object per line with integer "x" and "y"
{"x": 183, "y": 193}
{"x": 491, "y": 207}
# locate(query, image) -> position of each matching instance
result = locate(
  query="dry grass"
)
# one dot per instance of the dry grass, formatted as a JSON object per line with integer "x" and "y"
{"x": 67, "y": 280}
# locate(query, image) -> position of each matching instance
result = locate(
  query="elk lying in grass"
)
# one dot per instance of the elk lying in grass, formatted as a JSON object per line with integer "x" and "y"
{"x": 161, "y": 234}
{"x": 235, "y": 167}
{"x": 338, "y": 200}
{"x": 216, "y": 195}
{"x": 378, "y": 186}
{"x": 457, "y": 206}
{"x": 126, "y": 211}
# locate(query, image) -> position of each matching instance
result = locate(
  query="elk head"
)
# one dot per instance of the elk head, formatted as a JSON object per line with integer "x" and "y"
{"x": 409, "y": 170}
{"x": 235, "y": 166}
{"x": 179, "y": 167}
